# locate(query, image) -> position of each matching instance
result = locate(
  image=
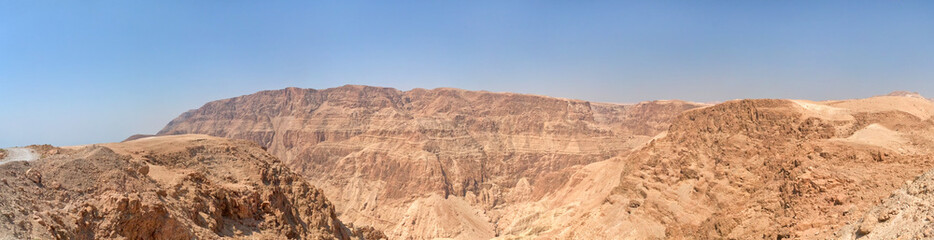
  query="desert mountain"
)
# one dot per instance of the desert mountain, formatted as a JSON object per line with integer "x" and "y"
{"x": 905, "y": 94}
{"x": 771, "y": 168}
{"x": 471, "y": 165}
{"x": 431, "y": 163}
{"x": 168, "y": 187}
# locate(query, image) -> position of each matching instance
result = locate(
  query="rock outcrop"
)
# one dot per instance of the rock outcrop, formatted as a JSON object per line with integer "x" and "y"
{"x": 431, "y": 163}
{"x": 173, "y": 187}
{"x": 906, "y": 214}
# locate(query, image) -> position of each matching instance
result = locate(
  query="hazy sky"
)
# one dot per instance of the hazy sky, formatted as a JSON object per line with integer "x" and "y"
{"x": 98, "y": 71}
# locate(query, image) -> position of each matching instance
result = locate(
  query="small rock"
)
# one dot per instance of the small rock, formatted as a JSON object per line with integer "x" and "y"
{"x": 887, "y": 215}
{"x": 866, "y": 227}
{"x": 34, "y": 176}
{"x": 144, "y": 170}
{"x": 878, "y": 156}
{"x": 634, "y": 204}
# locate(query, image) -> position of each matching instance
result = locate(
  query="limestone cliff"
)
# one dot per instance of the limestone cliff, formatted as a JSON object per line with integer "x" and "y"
{"x": 431, "y": 163}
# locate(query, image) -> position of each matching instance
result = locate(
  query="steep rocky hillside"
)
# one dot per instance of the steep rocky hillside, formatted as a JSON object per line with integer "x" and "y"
{"x": 173, "y": 187}
{"x": 431, "y": 163}
{"x": 769, "y": 169}
{"x": 906, "y": 214}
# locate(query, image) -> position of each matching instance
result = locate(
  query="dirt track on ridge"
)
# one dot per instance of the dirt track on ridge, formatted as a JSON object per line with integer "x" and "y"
{"x": 19, "y": 154}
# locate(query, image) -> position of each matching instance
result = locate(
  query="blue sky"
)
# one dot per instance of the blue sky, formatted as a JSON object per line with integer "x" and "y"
{"x": 83, "y": 72}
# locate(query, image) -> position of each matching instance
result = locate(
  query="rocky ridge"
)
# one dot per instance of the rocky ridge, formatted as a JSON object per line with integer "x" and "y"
{"x": 175, "y": 187}
{"x": 774, "y": 168}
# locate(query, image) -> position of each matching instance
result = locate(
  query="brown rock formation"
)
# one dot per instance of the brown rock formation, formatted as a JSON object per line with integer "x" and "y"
{"x": 175, "y": 187}
{"x": 772, "y": 168}
{"x": 430, "y": 163}
{"x": 906, "y": 214}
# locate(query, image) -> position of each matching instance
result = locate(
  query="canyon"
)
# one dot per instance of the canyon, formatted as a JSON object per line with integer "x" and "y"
{"x": 450, "y": 163}
{"x": 362, "y": 162}
{"x": 439, "y": 163}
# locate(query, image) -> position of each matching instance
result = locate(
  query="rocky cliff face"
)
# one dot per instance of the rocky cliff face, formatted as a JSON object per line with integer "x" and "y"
{"x": 431, "y": 163}
{"x": 774, "y": 168}
{"x": 906, "y": 214}
{"x": 176, "y": 187}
